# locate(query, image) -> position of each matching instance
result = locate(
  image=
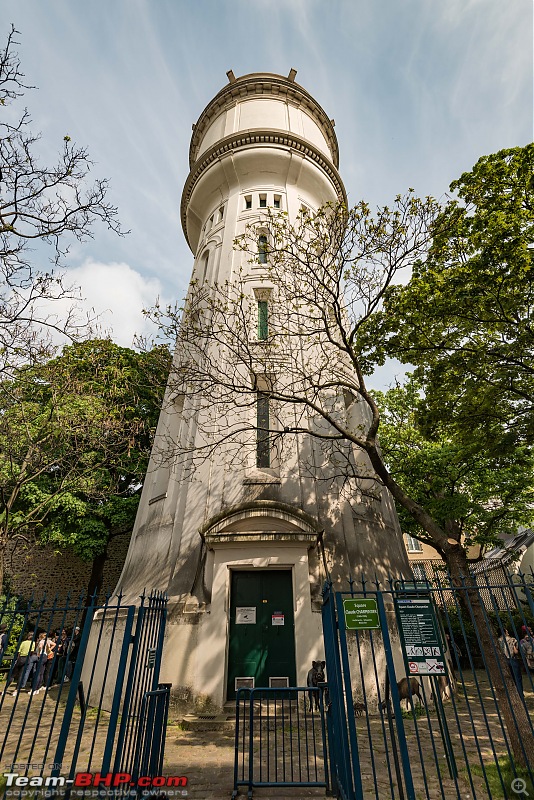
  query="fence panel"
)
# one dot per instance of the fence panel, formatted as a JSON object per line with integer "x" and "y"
{"x": 280, "y": 738}
{"x": 86, "y": 708}
{"x": 467, "y": 731}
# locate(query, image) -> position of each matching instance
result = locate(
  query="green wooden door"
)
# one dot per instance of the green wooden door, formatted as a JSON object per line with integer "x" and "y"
{"x": 262, "y": 627}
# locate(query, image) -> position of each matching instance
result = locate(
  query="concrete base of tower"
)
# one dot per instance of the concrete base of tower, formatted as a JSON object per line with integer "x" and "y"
{"x": 259, "y": 626}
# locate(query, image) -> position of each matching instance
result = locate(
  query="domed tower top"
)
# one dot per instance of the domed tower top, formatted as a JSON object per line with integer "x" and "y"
{"x": 264, "y": 100}
{"x": 261, "y": 133}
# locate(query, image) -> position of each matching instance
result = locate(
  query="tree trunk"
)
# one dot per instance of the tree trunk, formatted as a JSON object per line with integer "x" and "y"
{"x": 3, "y": 553}
{"x": 510, "y": 705}
{"x": 94, "y": 587}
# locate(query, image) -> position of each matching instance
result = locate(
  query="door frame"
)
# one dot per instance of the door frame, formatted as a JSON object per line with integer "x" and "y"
{"x": 253, "y": 568}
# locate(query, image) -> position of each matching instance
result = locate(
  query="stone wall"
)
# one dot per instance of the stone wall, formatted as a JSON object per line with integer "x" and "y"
{"x": 36, "y": 569}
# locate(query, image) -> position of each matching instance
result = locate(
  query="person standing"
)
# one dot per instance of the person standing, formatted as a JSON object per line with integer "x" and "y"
{"x": 73, "y": 650}
{"x": 26, "y": 647}
{"x": 3, "y": 641}
{"x": 44, "y": 653}
{"x": 510, "y": 648}
{"x": 62, "y": 652}
{"x": 527, "y": 649}
{"x": 51, "y": 662}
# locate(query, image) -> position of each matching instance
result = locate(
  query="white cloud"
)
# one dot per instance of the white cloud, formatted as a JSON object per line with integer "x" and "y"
{"x": 118, "y": 294}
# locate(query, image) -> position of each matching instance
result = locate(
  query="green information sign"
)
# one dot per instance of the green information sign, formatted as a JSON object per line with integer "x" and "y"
{"x": 422, "y": 645}
{"x": 361, "y": 614}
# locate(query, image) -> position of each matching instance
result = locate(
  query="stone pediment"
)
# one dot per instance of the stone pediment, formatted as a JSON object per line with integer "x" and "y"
{"x": 261, "y": 521}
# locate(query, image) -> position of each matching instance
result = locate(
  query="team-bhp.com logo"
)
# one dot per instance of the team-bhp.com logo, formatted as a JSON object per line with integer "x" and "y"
{"x": 97, "y": 780}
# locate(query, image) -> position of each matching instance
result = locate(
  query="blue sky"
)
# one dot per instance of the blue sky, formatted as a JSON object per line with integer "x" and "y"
{"x": 419, "y": 89}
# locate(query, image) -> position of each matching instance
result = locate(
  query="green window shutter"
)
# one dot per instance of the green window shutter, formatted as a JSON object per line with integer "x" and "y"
{"x": 263, "y": 325}
{"x": 263, "y": 443}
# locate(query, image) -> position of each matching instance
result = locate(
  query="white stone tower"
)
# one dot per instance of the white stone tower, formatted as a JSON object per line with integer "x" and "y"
{"x": 236, "y": 548}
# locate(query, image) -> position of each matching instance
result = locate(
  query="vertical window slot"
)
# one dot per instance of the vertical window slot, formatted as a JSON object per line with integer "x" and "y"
{"x": 263, "y": 443}
{"x": 262, "y": 249}
{"x": 263, "y": 201}
{"x": 263, "y": 319}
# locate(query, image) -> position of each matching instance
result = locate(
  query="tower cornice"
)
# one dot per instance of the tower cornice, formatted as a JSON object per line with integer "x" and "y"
{"x": 257, "y": 138}
{"x": 267, "y": 84}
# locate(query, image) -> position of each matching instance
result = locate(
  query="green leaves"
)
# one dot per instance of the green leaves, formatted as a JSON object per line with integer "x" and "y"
{"x": 75, "y": 438}
{"x": 465, "y": 318}
{"x": 472, "y": 494}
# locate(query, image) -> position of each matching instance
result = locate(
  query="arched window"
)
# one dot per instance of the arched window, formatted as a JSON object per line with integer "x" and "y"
{"x": 204, "y": 269}
{"x": 262, "y": 249}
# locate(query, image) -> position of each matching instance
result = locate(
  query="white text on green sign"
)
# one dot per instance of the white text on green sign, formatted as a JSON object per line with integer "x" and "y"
{"x": 361, "y": 614}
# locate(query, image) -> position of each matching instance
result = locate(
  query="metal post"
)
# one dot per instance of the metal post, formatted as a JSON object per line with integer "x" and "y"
{"x": 340, "y": 768}
{"x": 355, "y": 759}
{"x": 403, "y": 745}
{"x": 117, "y": 695}
{"x": 71, "y": 699}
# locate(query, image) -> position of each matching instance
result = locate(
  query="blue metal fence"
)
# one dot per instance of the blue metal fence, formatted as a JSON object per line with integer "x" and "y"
{"x": 96, "y": 704}
{"x": 403, "y": 734}
{"x": 280, "y": 738}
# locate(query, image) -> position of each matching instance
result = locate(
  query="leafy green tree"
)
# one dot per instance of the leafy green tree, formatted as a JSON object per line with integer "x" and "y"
{"x": 465, "y": 321}
{"x": 75, "y": 437}
{"x": 465, "y": 317}
{"x": 473, "y": 495}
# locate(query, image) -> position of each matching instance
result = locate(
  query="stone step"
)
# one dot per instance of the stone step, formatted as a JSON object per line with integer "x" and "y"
{"x": 208, "y": 722}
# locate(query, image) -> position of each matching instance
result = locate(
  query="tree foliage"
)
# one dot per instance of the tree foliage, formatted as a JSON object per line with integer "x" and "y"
{"x": 465, "y": 317}
{"x": 43, "y": 208}
{"x": 474, "y": 495}
{"x": 75, "y": 437}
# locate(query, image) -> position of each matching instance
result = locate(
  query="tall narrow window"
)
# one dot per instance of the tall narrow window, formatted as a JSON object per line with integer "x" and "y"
{"x": 262, "y": 249}
{"x": 263, "y": 319}
{"x": 263, "y": 443}
{"x": 248, "y": 201}
{"x": 276, "y": 201}
{"x": 205, "y": 267}
{"x": 263, "y": 201}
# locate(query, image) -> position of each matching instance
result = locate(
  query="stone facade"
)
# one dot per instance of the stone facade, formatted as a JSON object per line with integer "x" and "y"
{"x": 263, "y": 141}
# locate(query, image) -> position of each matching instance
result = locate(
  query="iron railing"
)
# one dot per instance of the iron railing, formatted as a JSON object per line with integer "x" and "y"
{"x": 468, "y": 731}
{"x": 280, "y": 738}
{"x": 97, "y": 706}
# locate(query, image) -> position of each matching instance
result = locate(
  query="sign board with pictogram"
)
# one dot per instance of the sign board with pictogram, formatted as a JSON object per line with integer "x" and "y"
{"x": 422, "y": 645}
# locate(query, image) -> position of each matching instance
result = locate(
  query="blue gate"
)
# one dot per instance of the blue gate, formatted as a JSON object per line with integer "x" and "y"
{"x": 281, "y": 738}
{"x": 97, "y": 706}
{"x": 399, "y": 733}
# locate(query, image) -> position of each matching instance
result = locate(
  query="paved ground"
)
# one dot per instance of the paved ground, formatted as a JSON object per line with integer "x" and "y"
{"x": 207, "y": 758}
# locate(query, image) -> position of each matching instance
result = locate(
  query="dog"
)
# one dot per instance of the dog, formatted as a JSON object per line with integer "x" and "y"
{"x": 359, "y": 708}
{"x": 315, "y": 676}
{"x": 447, "y": 684}
{"x": 404, "y": 689}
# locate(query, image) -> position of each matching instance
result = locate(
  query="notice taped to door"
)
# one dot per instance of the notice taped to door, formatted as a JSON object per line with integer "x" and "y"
{"x": 245, "y": 615}
{"x": 278, "y": 618}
